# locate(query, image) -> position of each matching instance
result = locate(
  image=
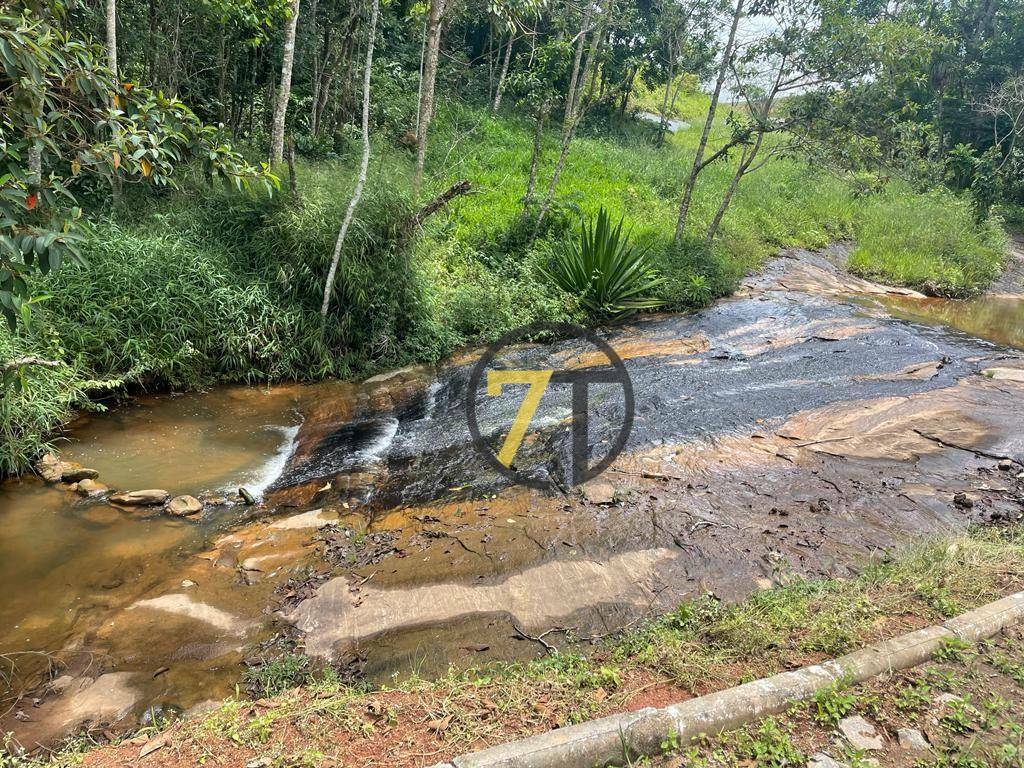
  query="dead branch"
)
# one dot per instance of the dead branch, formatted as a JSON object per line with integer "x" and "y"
{"x": 458, "y": 189}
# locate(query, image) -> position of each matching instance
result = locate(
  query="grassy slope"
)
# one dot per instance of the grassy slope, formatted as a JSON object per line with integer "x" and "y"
{"x": 207, "y": 286}
{"x": 702, "y": 646}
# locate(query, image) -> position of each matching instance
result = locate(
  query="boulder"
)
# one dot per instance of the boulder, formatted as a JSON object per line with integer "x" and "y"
{"x": 247, "y": 497}
{"x": 184, "y": 506}
{"x": 150, "y": 497}
{"x": 912, "y": 740}
{"x": 90, "y": 488}
{"x": 50, "y": 468}
{"x": 821, "y": 760}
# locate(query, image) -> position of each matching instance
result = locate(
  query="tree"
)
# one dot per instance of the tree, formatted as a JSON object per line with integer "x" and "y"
{"x": 363, "y": 164}
{"x": 577, "y": 97}
{"x": 112, "y": 36}
{"x": 285, "y": 88}
{"x": 68, "y": 121}
{"x": 432, "y": 48}
{"x": 699, "y": 163}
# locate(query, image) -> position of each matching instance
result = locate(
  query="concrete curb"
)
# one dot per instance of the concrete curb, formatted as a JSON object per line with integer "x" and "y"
{"x": 604, "y": 742}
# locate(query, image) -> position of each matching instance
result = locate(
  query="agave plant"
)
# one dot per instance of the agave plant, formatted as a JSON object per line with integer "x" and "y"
{"x": 610, "y": 276}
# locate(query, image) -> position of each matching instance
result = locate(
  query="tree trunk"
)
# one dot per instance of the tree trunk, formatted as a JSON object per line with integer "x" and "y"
{"x": 663, "y": 125}
{"x": 499, "y": 91}
{"x": 315, "y": 79}
{"x": 575, "y": 111}
{"x": 538, "y": 145}
{"x": 112, "y": 36}
{"x": 723, "y": 69}
{"x": 152, "y": 53}
{"x": 426, "y": 106}
{"x": 285, "y": 89}
{"x": 222, "y": 75}
{"x": 745, "y": 162}
{"x": 363, "y": 165}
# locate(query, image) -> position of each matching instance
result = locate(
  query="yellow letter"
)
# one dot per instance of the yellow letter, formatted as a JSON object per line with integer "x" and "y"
{"x": 538, "y": 381}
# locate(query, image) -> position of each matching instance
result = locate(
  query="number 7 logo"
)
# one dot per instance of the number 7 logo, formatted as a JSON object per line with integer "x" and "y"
{"x": 538, "y": 383}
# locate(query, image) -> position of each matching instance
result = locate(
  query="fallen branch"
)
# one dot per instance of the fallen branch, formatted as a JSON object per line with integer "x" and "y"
{"x": 539, "y": 638}
{"x": 458, "y": 189}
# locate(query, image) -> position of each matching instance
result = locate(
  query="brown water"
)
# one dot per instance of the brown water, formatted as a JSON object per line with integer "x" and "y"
{"x": 999, "y": 319}
{"x": 177, "y": 604}
{"x": 67, "y": 565}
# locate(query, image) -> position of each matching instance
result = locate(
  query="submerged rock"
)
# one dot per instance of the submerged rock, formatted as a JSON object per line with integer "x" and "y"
{"x": 148, "y": 498}
{"x": 184, "y": 506}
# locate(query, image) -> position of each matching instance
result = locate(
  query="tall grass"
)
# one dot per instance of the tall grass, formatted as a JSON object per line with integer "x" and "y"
{"x": 929, "y": 242}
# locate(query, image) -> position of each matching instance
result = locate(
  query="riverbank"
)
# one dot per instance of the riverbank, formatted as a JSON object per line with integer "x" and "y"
{"x": 702, "y": 646}
{"x": 190, "y": 289}
{"x": 386, "y": 548}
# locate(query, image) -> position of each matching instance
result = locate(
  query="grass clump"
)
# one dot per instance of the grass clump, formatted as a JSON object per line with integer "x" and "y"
{"x": 931, "y": 242}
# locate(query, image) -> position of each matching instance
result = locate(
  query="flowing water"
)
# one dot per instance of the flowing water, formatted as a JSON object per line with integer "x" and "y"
{"x": 768, "y": 430}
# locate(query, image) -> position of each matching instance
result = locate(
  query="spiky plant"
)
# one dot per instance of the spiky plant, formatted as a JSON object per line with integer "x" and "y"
{"x": 611, "y": 277}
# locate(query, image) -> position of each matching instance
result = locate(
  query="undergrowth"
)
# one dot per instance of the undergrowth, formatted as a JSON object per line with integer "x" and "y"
{"x": 192, "y": 288}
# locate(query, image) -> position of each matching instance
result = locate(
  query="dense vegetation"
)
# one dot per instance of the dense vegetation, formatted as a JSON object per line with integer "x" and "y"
{"x": 184, "y": 283}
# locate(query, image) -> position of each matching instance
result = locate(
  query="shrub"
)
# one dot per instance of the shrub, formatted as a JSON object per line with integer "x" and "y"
{"x": 610, "y": 277}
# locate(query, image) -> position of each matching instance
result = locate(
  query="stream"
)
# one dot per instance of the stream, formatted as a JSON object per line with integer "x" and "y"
{"x": 810, "y": 422}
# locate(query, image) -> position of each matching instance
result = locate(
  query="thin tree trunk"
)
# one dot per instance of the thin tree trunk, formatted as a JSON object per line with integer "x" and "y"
{"x": 285, "y": 89}
{"x": 745, "y": 162}
{"x": 684, "y": 205}
{"x": 538, "y": 145}
{"x": 315, "y": 80}
{"x": 573, "y": 117}
{"x": 112, "y": 36}
{"x": 363, "y": 165}
{"x": 152, "y": 53}
{"x": 499, "y": 91}
{"x": 222, "y": 75}
{"x": 663, "y": 126}
{"x": 426, "y": 107}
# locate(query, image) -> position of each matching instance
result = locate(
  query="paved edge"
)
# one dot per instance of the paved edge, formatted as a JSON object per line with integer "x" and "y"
{"x": 609, "y": 740}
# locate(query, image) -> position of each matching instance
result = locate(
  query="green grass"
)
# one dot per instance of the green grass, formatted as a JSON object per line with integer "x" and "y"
{"x": 203, "y": 286}
{"x": 928, "y": 242}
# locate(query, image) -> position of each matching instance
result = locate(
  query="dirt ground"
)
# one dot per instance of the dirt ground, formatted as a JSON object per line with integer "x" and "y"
{"x": 964, "y": 710}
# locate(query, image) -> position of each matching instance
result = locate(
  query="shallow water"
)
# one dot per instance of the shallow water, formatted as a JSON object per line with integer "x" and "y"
{"x": 999, "y": 319}
{"x": 394, "y": 456}
{"x": 66, "y": 563}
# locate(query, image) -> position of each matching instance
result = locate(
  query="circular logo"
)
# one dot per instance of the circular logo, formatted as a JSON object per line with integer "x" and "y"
{"x": 538, "y": 381}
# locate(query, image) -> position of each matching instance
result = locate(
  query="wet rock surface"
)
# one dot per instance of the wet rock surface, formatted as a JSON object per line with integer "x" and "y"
{"x": 786, "y": 432}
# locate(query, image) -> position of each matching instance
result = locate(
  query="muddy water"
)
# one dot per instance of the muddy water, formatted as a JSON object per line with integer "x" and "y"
{"x": 68, "y": 565}
{"x": 999, "y": 319}
{"x": 787, "y": 432}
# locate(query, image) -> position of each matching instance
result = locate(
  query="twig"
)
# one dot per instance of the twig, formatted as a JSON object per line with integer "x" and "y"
{"x": 539, "y": 638}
